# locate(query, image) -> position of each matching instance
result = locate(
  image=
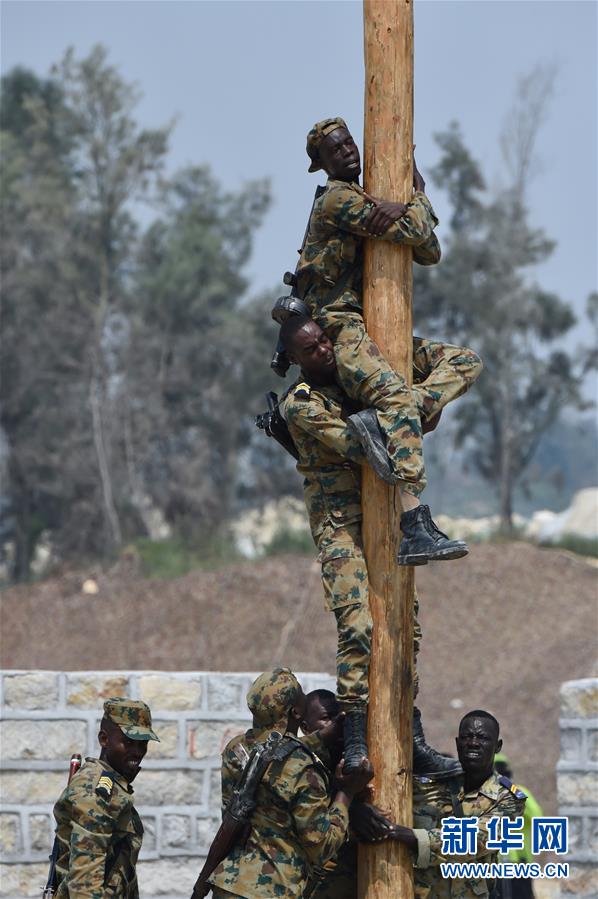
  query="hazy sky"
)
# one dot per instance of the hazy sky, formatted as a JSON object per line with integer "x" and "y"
{"x": 247, "y": 79}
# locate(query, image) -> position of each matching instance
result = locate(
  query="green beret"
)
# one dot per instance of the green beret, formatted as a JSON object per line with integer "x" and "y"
{"x": 271, "y": 696}
{"x": 315, "y": 137}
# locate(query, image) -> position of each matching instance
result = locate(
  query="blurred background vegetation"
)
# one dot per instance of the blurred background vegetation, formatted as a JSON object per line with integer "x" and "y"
{"x": 135, "y": 357}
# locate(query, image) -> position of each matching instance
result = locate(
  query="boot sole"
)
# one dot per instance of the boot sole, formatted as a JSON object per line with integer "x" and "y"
{"x": 441, "y": 555}
{"x": 378, "y": 460}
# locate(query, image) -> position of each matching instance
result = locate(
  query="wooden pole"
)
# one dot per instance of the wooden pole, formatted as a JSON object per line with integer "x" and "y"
{"x": 385, "y": 869}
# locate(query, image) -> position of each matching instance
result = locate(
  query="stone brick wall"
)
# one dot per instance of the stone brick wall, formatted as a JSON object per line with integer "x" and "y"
{"x": 49, "y": 715}
{"x": 577, "y": 785}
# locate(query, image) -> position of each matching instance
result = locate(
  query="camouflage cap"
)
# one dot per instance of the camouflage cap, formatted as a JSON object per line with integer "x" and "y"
{"x": 271, "y": 696}
{"x": 132, "y": 716}
{"x": 315, "y": 137}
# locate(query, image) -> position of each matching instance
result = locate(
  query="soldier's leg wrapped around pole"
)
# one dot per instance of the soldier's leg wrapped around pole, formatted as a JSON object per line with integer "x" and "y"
{"x": 441, "y": 373}
{"x": 366, "y": 376}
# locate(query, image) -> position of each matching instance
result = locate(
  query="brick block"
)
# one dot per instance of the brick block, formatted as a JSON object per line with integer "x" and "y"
{"x": 592, "y": 744}
{"x": 149, "y": 834}
{"x": 89, "y": 691}
{"x": 571, "y": 744}
{"x": 167, "y": 748}
{"x": 11, "y": 840}
{"x": 176, "y": 831}
{"x": 206, "y": 830}
{"x": 575, "y": 833}
{"x": 581, "y": 883}
{"x": 227, "y": 694}
{"x": 43, "y": 739}
{"x": 215, "y": 799}
{"x": 36, "y": 690}
{"x": 165, "y": 692}
{"x": 176, "y": 787}
{"x": 592, "y": 835}
{"x": 41, "y": 833}
{"x": 22, "y": 880}
{"x": 576, "y": 789}
{"x": 167, "y": 877}
{"x": 206, "y": 739}
{"x": 31, "y": 787}
{"x": 579, "y": 698}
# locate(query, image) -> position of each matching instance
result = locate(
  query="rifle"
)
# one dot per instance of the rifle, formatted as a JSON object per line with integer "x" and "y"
{"x": 51, "y": 885}
{"x": 238, "y": 812}
{"x": 275, "y": 426}
{"x": 291, "y": 304}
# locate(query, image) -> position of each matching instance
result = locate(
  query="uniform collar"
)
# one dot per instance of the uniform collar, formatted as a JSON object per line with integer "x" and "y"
{"x": 116, "y": 777}
{"x": 490, "y": 788}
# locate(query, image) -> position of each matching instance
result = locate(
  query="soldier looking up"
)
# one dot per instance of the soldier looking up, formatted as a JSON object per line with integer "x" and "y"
{"x": 330, "y": 458}
{"x": 329, "y": 281}
{"x": 296, "y": 824}
{"x": 98, "y": 830}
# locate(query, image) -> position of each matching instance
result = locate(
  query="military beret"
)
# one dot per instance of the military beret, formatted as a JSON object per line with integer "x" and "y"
{"x": 271, "y": 696}
{"x": 132, "y": 716}
{"x": 315, "y": 137}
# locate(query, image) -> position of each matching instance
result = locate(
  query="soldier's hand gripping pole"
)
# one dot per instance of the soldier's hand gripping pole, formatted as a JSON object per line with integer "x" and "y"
{"x": 50, "y": 887}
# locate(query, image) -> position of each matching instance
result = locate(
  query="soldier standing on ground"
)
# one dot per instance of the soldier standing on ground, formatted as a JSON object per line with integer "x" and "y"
{"x": 98, "y": 830}
{"x": 479, "y": 792}
{"x": 330, "y": 457}
{"x": 329, "y": 279}
{"x": 296, "y": 824}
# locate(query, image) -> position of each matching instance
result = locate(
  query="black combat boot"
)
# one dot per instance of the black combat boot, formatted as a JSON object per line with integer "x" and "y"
{"x": 427, "y": 760}
{"x": 423, "y": 542}
{"x": 354, "y": 738}
{"x": 365, "y": 426}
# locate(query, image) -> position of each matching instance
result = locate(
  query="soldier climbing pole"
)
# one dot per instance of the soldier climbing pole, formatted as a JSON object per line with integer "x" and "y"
{"x": 385, "y": 869}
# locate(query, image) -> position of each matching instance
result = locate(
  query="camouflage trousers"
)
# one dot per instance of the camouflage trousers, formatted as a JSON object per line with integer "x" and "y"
{"x": 442, "y": 372}
{"x": 345, "y": 582}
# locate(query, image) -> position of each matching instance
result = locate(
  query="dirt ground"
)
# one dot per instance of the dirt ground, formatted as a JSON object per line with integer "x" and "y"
{"x": 502, "y": 629}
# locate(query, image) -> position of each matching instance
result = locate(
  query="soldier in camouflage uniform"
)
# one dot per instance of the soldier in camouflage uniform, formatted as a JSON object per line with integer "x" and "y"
{"x": 479, "y": 792}
{"x": 330, "y": 458}
{"x": 329, "y": 281}
{"x": 98, "y": 830}
{"x": 295, "y": 825}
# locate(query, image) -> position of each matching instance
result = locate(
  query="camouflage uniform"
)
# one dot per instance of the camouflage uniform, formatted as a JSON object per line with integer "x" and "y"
{"x": 330, "y": 459}
{"x": 98, "y": 830}
{"x": 434, "y": 801}
{"x": 295, "y": 826}
{"x": 330, "y": 276}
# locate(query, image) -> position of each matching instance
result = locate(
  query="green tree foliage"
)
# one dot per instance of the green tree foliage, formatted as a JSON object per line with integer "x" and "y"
{"x": 129, "y": 361}
{"x": 200, "y": 352}
{"x": 484, "y": 295}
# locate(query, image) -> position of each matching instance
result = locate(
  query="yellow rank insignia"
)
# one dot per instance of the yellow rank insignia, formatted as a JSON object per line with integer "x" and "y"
{"x": 104, "y": 785}
{"x": 302, "y": 391}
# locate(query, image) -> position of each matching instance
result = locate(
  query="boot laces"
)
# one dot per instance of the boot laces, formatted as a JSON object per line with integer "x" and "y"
{"x": 433, "y": 530}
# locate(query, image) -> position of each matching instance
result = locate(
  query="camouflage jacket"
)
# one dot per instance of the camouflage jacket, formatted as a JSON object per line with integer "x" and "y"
{"x": 99, "y": 832}
{"x": 433, "y": 801}
{"x": 333, "y": 252}
{"x": 294, "y": 828}
{"x": 330, "y": 457}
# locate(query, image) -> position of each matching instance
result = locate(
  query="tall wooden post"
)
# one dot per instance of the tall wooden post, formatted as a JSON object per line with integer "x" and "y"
{"x": 385, "y": 869}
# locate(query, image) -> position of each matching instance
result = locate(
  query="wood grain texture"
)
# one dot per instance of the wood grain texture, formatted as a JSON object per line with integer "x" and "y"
{"x": 385, "y": 869}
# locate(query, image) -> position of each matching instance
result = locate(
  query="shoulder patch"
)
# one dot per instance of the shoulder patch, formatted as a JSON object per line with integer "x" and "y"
{"x": 513, "y": 788}
{"x": 302, "y": 391}
{"x": 105, "y": 785}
